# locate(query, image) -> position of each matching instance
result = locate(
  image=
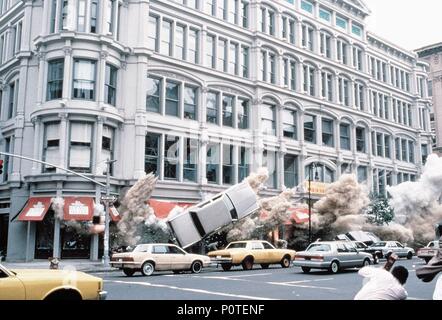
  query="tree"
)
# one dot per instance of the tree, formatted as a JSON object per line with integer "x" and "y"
{"x": 379, "y": 211}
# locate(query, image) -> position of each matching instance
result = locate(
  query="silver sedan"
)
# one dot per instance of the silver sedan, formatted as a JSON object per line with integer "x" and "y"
{"x": 332, "y": 256}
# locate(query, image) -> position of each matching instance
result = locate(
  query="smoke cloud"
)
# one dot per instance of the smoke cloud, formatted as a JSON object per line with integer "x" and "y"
{"x": 416, "y": 203}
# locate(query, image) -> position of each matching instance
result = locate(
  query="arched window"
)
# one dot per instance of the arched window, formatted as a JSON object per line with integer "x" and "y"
{"x": 268, "y": 66}
{"x": 344, "y": 91}
{"x": 320, "y": 173}
{"x": 359, "y": 95}
{"x": 309, "y": 79}
{"x": 289, "y": 72}
{"x": 358, "y": 58}
{"x": 342, "y": 53}
{"x": 327, "y": 84}
{"x": 308, "y": 33}
{"x": 325, "y": 44}
{"x": 288, "y": 27}
{"x": 267, "y": 20}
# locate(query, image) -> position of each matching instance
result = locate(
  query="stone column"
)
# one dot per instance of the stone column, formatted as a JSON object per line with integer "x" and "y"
{"x": 36, "y": 167}
{"x": 64, "y": 143}
{"x": 68, "y": 75}
{"x": 100, "y": 164}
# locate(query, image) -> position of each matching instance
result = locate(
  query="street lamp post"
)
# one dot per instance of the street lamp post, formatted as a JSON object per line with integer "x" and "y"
{"x": 107, "y": 202}
{"x": 311, "y": 167}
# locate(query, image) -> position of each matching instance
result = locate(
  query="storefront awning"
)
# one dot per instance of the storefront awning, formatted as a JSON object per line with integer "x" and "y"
{"x": 299, "y": 215}
{"x": 35, "y": 209}
{"x": 78, "y": 208}
{"x": 163, "y": 208}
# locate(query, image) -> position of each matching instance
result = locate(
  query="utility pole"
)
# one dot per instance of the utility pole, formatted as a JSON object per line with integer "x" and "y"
{"x": 107, "y": 202}
{"x": 310, "y": 204}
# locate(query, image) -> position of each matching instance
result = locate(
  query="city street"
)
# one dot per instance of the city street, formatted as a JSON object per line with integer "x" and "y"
{"x": 258, "y": 284}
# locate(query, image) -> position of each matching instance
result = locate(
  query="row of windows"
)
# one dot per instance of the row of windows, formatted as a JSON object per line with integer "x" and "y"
{"x": 395, "y": 76}
{"x": 81, "y": 145}
{"x": 86, "y": 16}
{"x": 383, "y": 178}
{"x": 83, "y": 82}
{"x": 392, "y": 109}
{"x": 5, "y": 5}
{"x": 172, "y": 98}
{"x": 181, "y": 41}
{"x": 10, "y": 42}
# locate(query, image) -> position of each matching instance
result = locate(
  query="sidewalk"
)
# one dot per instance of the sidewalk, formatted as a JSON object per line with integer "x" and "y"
{"x": 79, "y": 265}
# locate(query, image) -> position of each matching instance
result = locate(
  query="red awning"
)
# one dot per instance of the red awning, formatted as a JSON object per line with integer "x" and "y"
{"x": 114, "y": 214}
{"x": 163, "y": 208}
{"x": 35, "y": 209}
{"x": 78, "y": 208}
{"x": 299, "y": 215}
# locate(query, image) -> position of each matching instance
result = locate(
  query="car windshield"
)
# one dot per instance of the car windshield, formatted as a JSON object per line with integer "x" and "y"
{"x": 237, "y": 245}
{"x": 318, "y": 248}
{"x": 141, "y": 248}
{"x": 379, "y": 244}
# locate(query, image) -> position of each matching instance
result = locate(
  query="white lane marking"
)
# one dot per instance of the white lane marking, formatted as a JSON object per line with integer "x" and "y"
{"x": 411, "y": 298}
{"x": 147, "y": 284}
{"x": 300, "y": 286}
{"x": 311, "y": 280}
{"x": 251, "y": 275}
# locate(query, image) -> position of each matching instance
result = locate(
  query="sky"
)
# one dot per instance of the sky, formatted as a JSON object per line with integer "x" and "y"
{"x": 410, "y": 24}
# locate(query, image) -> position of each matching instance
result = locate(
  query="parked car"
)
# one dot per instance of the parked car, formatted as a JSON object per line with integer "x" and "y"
{"x": 385, "y": 248}
{"x": 331, "y": 255}
{"x": 33, "y": 284}
{"x": 148, "y": 258}
{"x": 248, "y": 253}
{"x": 362, "y": 247}
{"x": 429, "y": 251}
{"x": 195, "y": 223}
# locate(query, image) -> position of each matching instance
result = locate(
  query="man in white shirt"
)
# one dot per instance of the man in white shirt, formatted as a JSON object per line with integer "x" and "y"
{"x": 438, "y": 290}
{"x": 383, "y": 285}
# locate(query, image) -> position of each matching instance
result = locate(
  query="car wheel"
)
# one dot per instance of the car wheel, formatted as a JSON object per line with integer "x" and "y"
{"x": 334, "y": 267}
{"x": 247, "y": 263}
{"x": 375, "y": 259}
{"x": 265, "y": 265}
{"x": 306, "y": 269}
{"x": 366, "y": 263}
{"x": 410, "y": 255}
{"x": 196, "y": 267}
{"x": 147, "y": 268}
{"x": 226, "y": 266}
{"x": 128, "y": 272}
{"x": 285, "y": 262}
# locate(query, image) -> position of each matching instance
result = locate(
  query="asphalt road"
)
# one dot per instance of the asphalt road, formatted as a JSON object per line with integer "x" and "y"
{"x": 258, "y": 284}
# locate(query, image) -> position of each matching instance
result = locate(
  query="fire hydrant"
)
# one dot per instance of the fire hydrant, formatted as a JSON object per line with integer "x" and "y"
{"x": 53, "y": 263}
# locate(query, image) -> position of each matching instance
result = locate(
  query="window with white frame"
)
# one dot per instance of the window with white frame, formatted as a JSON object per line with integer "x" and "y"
{"x": 288, "y": 29}
{"x": 325, "y": 45}
{"x": 308, "y": 36}
{"x": 328, "y": 137}
{"x": 179, "y": 51}
{"x": 245, "y": 61}
{"x": 171, "y": 157}
{"x": 270, "y": 162}
{"x": 357, "y": 58}
{"x": 210, "y": 7}
{"x": 80, "y": 148}
{"x": 213, "y": 162}
{"x": 12, "y": 97}
{"x": 152, "y": 153}
{"x": 290, "y": 170}
{"x": 243, "y": 113}
{"x": 244, "y": 11}
{"x": 110, "y": 85}
{"x": 94, "y": 16}
{"x": 190, "y": 160}
{"x": 344, "y": 135}
{"x": 309, "y": 79}
{"x": 192, "y": 46}
{"x": 221, "y": 9}
{"x": 228, "y": 110}
{"x": 243, "y": 163}
{"x": 362, "y": 174}
{"x": 212, "y": 106}
{"x": 268, "y": 66}
{"x": 190, "y": 102}
{"x": 166, "y": 38}
{"x": 267, "y": 22}
{"x": 51, "y": 146}
{"x": 359, "y": 95}
{"x": 222, "y": 55}
{"x": 228, "y": 164}
{"x": 81, "y": 15}
{"x": 289, "y": 73}
{"x": 153, "y": 99}
{"x": 342, "y": 51}
{"x": 84, "y": 79}
{"x": 233, "y": 58}
{"x": 289, "y": 121}
{"x": 310, "y": 128}
{"x": 3, "y": 48}
{"x": 210, "y": 51}
{"x": 107, "y": 147}
{"x": 172, "y": 98}
{"x": 344, "y": 91}
{"x": 268, "y": 119}
{"x": 327, "y": 85}
{"x": 63, "y": 17}
{"x": 361, "y": 141}
{"x": 55, "y": 79}
{"x": 152, "y": 36}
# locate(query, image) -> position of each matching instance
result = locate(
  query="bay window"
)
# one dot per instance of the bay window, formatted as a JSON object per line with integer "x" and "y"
{"x": 51, "y": 146}
{"x": 84, "y": 79}
{"x": 55, "y": 79}
{"x": 110, "y": 85}
{"x": 80, "y": 150}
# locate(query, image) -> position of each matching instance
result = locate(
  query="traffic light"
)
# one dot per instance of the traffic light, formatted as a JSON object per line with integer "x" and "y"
{"x": 1, "y": 166}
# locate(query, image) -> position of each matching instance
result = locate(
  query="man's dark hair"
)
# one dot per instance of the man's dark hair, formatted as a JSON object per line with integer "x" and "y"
{"x": 400, "y": 273}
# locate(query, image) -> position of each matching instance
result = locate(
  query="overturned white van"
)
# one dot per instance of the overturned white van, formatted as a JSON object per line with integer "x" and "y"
{"x": 196, "y": 223}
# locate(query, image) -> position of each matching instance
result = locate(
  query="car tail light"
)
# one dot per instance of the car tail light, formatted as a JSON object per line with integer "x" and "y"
{"x": 317, "y": 258}
{"x": 298, "y": 257}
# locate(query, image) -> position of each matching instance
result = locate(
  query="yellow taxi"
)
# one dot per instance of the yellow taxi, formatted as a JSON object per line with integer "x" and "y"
{"x": 33, "y": 284}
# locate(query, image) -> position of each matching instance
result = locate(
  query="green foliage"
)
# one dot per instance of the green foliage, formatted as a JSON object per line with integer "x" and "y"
{"x": 379, "y": 211}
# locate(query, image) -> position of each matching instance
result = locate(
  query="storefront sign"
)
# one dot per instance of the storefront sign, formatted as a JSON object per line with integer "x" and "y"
{"x": 78, "y": 208}
{"x": 316, "y": 187}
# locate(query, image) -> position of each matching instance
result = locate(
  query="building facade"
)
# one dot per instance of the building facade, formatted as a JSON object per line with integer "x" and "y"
{"x": 433, "y": 56}
{"x": 201, "y": 93}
